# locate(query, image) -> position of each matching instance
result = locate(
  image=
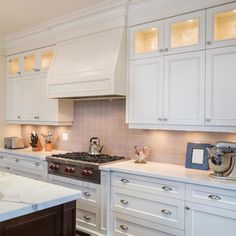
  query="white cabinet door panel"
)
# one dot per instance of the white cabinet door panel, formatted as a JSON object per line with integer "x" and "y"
{"x": 146, "y": 91}
{"x": 208, "y": 221}
{"x": 220, "y": 86}
{"x": 184, "y": 88}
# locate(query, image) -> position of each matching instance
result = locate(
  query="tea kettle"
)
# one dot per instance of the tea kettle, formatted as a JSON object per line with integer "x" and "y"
{"x": 95, "y": 148}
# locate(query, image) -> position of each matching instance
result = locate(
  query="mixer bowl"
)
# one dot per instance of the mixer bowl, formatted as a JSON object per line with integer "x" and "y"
{"x": 220, "y": 164}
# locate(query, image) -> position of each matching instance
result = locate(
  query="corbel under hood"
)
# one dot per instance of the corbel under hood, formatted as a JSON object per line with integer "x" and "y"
{"x": 89, "y": 66}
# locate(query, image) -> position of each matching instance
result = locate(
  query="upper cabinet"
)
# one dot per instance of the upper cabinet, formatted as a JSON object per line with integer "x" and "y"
{"x": 146, "y": 40}
{"x": 29, "y": 63}
{"x": 221, "y": 26}
{"x": 177, "y": 34}
{"x": 185, "y": 33}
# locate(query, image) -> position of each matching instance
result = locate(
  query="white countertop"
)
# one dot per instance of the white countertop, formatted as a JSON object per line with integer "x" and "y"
{"x": 28, "y": 152}
{"x": 171, "y": 172}
{"x": 20, "y": 196}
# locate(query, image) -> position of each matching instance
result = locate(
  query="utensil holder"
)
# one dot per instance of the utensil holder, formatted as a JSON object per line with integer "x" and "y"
{"x": 48, "y": 147}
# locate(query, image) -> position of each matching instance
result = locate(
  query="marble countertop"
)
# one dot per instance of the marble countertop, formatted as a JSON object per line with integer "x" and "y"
{"x": 171, "y": 172}
{"x": 20, "y": 196}
{"x": 28, "y": 152}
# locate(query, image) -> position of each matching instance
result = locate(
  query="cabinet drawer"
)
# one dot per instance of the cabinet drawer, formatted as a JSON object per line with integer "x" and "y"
{"x": 153, "y": 186}
{"x": 88, "y": 217}
{"x": 127, "y": 225}
{"x": 211, "y": 196}
{"x": 90, "y": 192}
{"x": 156, "y": 209}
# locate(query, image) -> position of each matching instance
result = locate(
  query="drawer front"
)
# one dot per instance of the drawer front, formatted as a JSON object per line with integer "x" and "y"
{"x": 154, "y": 186}
{"x": 88, "y": 217}
{"x": 36, "y": 176}
{"x": 127, "y": 225}
{"x": 90, "y": 191}
{"x": 157, "y": 209}
{"x": 211, "y": 196}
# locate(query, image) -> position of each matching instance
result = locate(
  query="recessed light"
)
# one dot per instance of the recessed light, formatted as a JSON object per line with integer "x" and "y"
{"x": 153, "y": 29}
{"x": 190, "y": 21}
{"x": 234, "y": 10}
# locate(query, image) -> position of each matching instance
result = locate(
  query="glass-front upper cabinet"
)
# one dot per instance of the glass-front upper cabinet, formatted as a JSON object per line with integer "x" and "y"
{"x": 29, "y": 63}
{"x": 13, "y": 66}
{"x": 146, "y": 40}
{"x": 46, "y": 58}
{"x": 185, "y": 33}
{"x": 221, "y": 26}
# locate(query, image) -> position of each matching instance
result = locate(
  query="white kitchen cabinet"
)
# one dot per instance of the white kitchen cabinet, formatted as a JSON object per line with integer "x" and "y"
{"x": 27, "y": 103}
{"x": 29, "y": 63}
{"x": 184, "y": 82}
{"x": 185, "y": 33}
{"x": 221, "y": 26}
{"x": 146, "y": 90}
{"x": 172, "y": 97}
{"x": 220, "y": 86}
{"x": 146, "y": 40}
{"x": 207, "y": 220}
{"x": 24, "y": 166}
{"x": 88, "y": 208}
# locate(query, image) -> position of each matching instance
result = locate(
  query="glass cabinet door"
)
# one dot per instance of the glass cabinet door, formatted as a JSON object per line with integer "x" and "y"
{"x": 46, "y": 59}
{"x": 221, "y": 25}
{"x": 185, "y": 33}
{"x": 146, "y": 40}
{"x": 29, "y": 63}
{"x": 13, "y": 64}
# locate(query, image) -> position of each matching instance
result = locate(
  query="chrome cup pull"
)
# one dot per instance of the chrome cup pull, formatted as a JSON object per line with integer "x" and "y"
{"x": 124, "y": 181}
{"x": 87, "y": 194}
{"x": 214, "y": 197}
{"x": 124, "y": 227}
{"x": 124, "y": 202}
{"x": 166, "y": 212}
{"x": 86, "y": 217}
{"x": 166, "y": 188}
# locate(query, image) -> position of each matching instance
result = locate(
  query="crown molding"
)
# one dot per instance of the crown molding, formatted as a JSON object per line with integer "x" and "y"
{"x": 98, "y": 17}
{"x": 141, "y": 11}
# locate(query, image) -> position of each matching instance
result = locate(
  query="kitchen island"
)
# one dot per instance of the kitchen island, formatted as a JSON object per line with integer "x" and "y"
{"x": 29, "y": 207}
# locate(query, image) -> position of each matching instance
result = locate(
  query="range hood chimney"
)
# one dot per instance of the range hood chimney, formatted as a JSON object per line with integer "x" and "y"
{"x": 89, "y": 66}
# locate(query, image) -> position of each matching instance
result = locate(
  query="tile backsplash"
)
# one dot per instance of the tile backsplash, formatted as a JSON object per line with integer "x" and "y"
{"x": 106, "y": 119}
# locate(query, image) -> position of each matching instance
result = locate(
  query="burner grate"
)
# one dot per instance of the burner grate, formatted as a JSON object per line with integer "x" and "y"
{"x": 84, "y": 156}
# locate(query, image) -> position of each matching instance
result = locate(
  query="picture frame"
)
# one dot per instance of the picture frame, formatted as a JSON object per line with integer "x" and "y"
{"x": 197, "y": 156}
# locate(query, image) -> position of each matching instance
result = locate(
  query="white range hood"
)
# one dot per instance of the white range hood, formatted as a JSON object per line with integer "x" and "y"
{"x": 89, "y": 66}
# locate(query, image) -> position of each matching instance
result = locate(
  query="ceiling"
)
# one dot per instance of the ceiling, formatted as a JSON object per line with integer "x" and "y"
{"x": 18, "y": 15}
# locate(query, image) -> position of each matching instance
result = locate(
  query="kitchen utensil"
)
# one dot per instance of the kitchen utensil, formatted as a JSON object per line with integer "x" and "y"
{"x": 95, "y": 148}
{"x": 35, "y": 142}
{"x": 222, "y": 160}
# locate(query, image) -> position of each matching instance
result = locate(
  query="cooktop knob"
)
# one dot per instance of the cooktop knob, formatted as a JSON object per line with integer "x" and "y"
{"x": 56, "y": 167}
{"x": 89, "y": 173}
{"x": 67, "y": 169}
{"x": 52, "y": 166}
{"x": 84, "y": 172}
{"x": 72, "y": 170}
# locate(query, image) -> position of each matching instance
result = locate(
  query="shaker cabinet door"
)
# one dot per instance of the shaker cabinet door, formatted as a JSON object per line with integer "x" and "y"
{"x": 184, "y": 81}
{"x": 146, "y": 91}
{"x": 221, "y": 26}
{"x": 220, "y": 86}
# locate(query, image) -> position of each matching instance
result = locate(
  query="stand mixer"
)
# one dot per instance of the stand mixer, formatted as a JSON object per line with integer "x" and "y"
{"x": 222, "y": 160}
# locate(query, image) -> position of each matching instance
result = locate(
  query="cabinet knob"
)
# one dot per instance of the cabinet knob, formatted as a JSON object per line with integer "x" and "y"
{"x": 208, "y": 119}
{"x": 166, "y": 50}
{"x": 17, "y": 160}
{"x": 214, "y": 197}
{"x": 37, "y": 164}
{"x": 160, "y": 119}
{"x": 124, "y": 202}
{"x": 165, "y": 119}
{"x": 124, "y": 181}
{"x": 86, "y": 217}
{"x": 166, "y": 188}
{"x": 166, "y": 212}
{"x": 8, "y": 168}
{"x": 18, "y": 72}
{"x": 124, "y": 227}
{"x": 208, "y": 42}
{"x": 1, "y": 157}
{"x": 161, "y": 50}
{"x": 187, "y": 208}
{"x": 18, "y": 117}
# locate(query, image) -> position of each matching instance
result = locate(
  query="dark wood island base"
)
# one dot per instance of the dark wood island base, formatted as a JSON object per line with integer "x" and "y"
{"x": 54, "y": 221}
